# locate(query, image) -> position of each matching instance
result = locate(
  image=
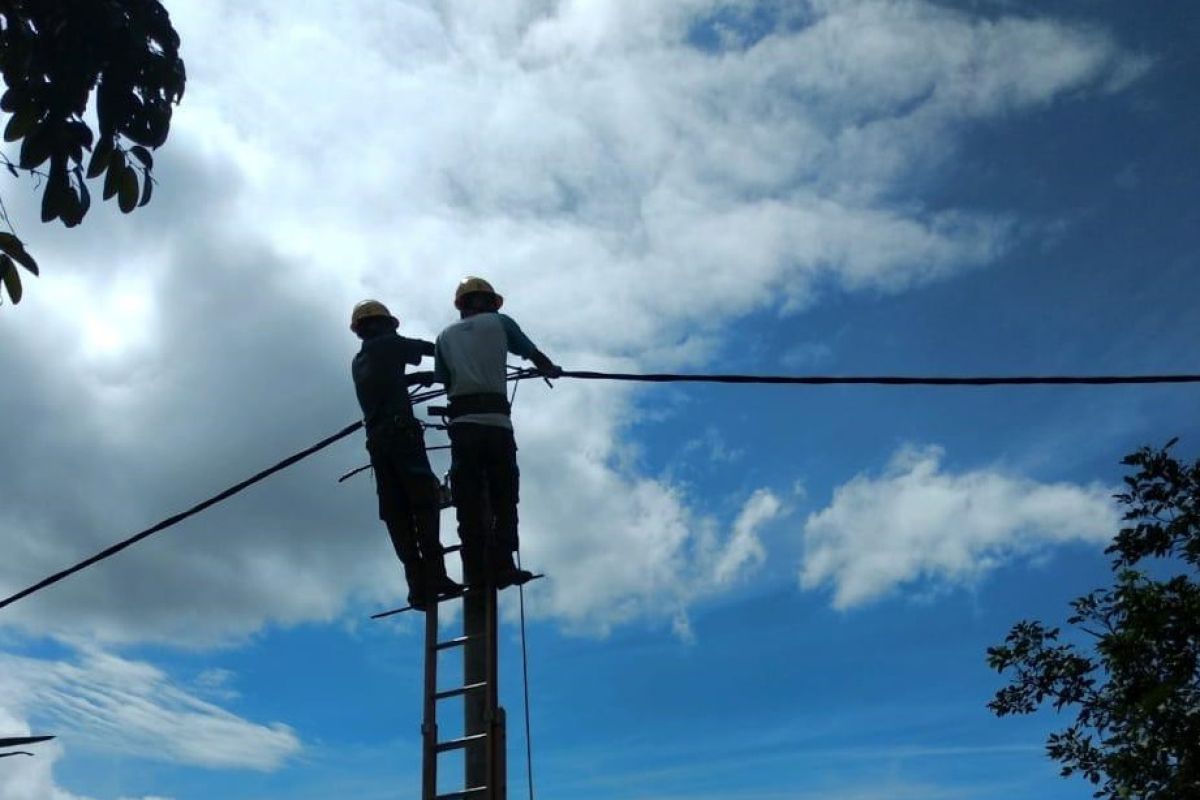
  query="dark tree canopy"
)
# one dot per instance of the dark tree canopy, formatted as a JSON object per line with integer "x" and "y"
{"x": 54, "y": 54}
{"x": 1135, "y": 686}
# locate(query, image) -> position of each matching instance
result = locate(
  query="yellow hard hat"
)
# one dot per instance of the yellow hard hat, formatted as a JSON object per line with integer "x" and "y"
{"x": 473, "y": 285}
{"x": 367, "y": 309}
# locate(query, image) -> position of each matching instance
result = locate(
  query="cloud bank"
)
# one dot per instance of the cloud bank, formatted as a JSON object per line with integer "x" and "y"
{"x": 634, "y": 177}
{"x": 115, "y": 705}
{"x": 916, "y": 523}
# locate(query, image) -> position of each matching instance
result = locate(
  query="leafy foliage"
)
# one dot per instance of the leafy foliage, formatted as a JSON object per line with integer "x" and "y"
{"x": 1136, "y": 687}
{"x": 53, "y": 57}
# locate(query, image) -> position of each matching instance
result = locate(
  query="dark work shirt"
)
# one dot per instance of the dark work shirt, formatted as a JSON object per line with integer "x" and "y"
{"x": 379, "y": 379}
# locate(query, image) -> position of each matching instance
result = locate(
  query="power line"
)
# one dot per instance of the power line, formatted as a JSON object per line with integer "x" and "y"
{"x": 885, "y": 380}
{"x": 180, "y": 517}
{"x": 1090, "y": 380}
{"x": 201, "y": 506}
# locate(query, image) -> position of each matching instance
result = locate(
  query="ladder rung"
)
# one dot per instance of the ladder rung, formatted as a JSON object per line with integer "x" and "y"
{"x": 462, "y": 794}
{"x": 457, "y": 642}
{"x": 470, "y": 687}
{"x": 469, "y": 591}
{"x": 459, "y": 743}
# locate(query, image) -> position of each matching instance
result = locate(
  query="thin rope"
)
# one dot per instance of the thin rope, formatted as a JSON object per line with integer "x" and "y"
{"x": 525, "y": 681}
{"x": 886, "y": 380}
{"x": 354, "y": 472}
{"x": 516, "y": 377}
{"x": 516, "y": 382}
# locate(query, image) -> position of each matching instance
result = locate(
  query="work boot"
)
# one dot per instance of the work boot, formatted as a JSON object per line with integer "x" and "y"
{"x": 507, "y": 573}
{"x": 416, "y": 585}
{"x": 439, "y": 583}
{"x": 444, "y": 586}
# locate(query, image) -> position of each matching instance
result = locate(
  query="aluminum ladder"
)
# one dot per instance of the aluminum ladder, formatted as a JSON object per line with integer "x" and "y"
{"x": 483, "y": 739}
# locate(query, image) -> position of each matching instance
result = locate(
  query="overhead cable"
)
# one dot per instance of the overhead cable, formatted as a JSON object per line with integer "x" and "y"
{"x": 884, "y": 380}
{"x": 181, "y": 516}
{"x": 196, "y": 509}
{"x": 1089, "y": 380}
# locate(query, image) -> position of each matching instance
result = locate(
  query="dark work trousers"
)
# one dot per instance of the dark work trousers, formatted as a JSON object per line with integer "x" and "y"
{"x": 408, "y": 498}
{"x": 486, "y": 485}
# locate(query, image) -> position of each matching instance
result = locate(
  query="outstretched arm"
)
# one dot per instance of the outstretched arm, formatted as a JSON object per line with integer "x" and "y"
{"x": 545, "y": 365}
{"x": 520, "y": 345}
{"x": 418, "y": 349}
{"x": 423, "y": 348}
{"x": 426, "y": 378}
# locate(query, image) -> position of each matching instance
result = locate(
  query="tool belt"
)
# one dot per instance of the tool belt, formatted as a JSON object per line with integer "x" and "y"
{"x": 482, "y": 403}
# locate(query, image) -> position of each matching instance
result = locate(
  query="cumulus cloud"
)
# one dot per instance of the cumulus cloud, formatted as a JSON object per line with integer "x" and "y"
{"x": 917, "y": 523}
{"x": 24, "y": 778}
{"x": 630, "y": 192}
{"x": 115, "y": 705}
{"x": 32, "y": 778}
{"x": 636, "y": 549}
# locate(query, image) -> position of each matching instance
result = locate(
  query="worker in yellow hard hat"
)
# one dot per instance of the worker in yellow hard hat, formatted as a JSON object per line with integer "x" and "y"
{"x": 409, "y": 498}
{"x": 471, "y": 360}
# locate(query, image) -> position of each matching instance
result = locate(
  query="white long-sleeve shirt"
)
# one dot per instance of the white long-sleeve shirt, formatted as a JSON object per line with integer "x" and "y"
{"x": 471, "y": 357}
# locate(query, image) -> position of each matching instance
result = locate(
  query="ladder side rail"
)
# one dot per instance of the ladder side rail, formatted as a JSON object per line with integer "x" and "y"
{"x": 495, "y": 752}
{"x": 429, "y": 727}
{"x": 475, "y": 704}
{"x": 500, "y": 741}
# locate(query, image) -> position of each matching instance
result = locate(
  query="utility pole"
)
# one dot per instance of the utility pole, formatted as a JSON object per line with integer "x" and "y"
{"x": 484, "y": 764}
{"x": 484, "y": 741}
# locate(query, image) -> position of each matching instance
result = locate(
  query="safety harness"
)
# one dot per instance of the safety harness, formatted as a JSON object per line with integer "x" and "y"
{"x": 481, "y": 403}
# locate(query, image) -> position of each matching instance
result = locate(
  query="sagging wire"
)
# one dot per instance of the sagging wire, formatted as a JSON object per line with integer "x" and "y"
{"x": 180, "y": 517}
{"x": 354, "y": 472}
{"x": 516, "y": 376}
{"x": 175, "y": 519}
{"x": 414, "y": 396}
{"x": 525, "y": 681}
{"x": 420, "y": 397}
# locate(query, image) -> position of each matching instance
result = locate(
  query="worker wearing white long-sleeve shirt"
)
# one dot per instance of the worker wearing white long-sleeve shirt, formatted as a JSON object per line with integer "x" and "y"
{"x": 471, "y": 359}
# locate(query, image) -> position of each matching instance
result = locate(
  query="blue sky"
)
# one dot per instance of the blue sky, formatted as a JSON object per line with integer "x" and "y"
{"x": 753, "y": 592}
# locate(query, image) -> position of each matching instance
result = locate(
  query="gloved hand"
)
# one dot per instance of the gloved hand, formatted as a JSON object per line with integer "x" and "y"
{"x": 421, "y": 378}
{"x": 545, "y": 367}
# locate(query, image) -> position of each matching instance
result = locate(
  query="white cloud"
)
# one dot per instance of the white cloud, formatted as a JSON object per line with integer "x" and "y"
{"x": 217, "y": 683}
{"x": 745, "y": 550}
{"x": 115, "y": 705}
{"x": 630, "y": 193}
{"x": 30, "y": 778}
{"x": 616, "y": 546}
{"x": 915, "y": 522}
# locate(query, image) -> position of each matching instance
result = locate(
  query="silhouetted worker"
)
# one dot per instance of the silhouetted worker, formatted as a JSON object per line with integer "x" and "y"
{"x": 471, "y": 360}
{"x": 409, "y": 502}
